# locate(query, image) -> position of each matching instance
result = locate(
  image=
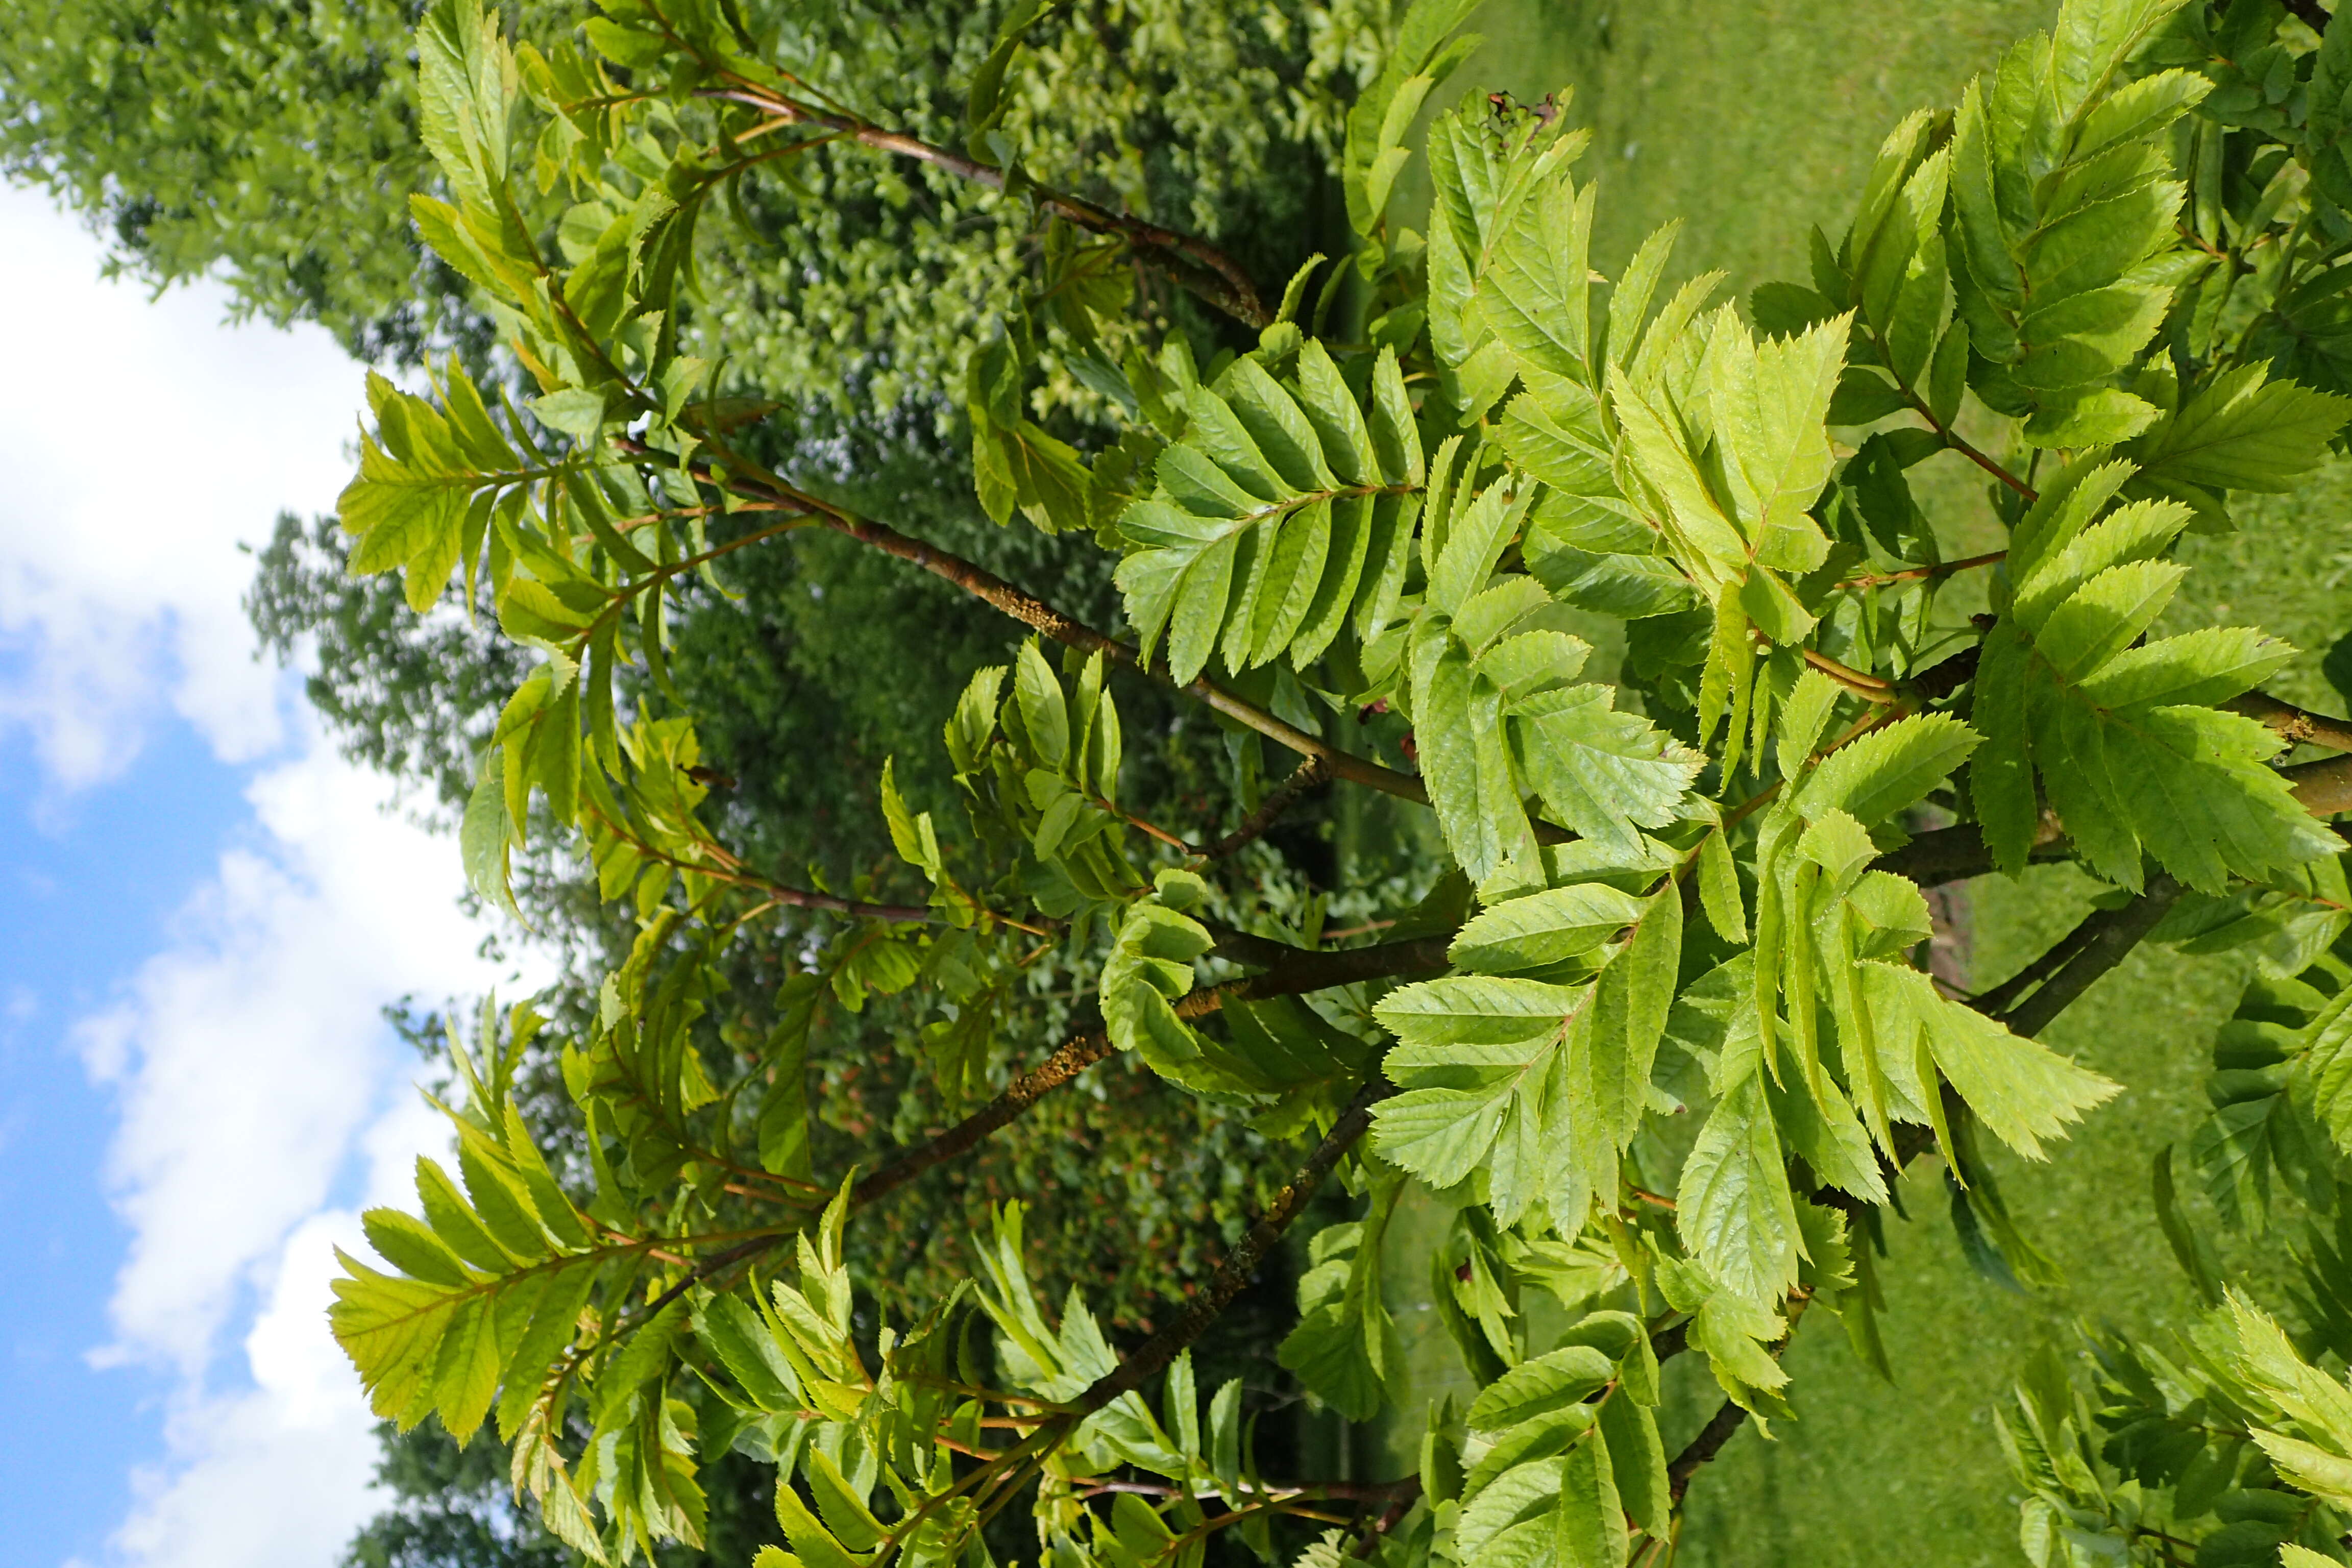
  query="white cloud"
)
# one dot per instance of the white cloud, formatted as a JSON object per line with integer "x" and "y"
{"x": 143, "y": 441}
{"x": 250, "y": 1053}
{"x": 275, "y": 1474}
{"x": 254, "y": 1076}
{"x": 252, "y": 1071}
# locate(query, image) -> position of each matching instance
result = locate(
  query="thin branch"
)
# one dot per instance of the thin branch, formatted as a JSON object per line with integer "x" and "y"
{"x": 1726, "y": 1420}
{"x": 775, "y": 891}
{"x": 1308, "y": 773}
{"x": 2322, "y": 788}
{"x": 1076, "y": 1054}
{"x": 745, "y": 477}
{"x": 1869, "y": 688}
{"x": 2118, "y": 933}
{"x": 1951, "y": 437}
{"x": 1190, "y": 261}
{"x": 2296, "y": 726}
{"x": 1918, "y": 573}
{"x": 1304, "y": 971}
{"x": 1399, "y": 1506}
{"x": 2062, "y": 951}
{"x": 1243, "y": 1262}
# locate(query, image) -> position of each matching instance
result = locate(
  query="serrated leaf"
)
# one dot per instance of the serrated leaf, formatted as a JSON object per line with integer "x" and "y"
{"x": 1564, "y": 1376}
{"x": 1734, "y": 1209}
{"x": 1544, "y": 928}
{"x": 2243, "y": 432}
{"x": 1873, "y": 778}
{"x": 2023, "y": 1091}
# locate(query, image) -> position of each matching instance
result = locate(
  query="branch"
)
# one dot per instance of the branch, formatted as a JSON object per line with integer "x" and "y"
{"x": 1309, "y": 773}
{"x": 1726, "y": 1421}
{"x": 2118, "y": 932}
{"x": 2061, "y": 952}
{"x": 1957, "y": 853}
{"x": 747, "y": 477}
{"x": 1243, "y": 1262}
{"x": 2294, "y": 725}
{"x": 1192, "y": 261}
{"x": 2322, "y": 788}
{"x": 1305, "y": 972}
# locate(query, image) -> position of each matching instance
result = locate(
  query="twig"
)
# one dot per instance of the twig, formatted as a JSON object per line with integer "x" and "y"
{"x": 1720, "y": 1428}
{"x": 745, "y": 477}
{"x": 1305, "y": 776}
{"x": 2120, "y": 931}
{"x": 1916, "y": 573}
{"x": 775, "y": 891}
{"x": 1869, "y": 688}
{"x": 1242, "y": 1263}
{"x": 2294, "y": 725}
{"x": 1190, "y": 261}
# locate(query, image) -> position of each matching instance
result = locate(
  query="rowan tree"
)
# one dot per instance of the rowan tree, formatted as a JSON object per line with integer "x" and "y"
{"x": 1661, "y": 1037}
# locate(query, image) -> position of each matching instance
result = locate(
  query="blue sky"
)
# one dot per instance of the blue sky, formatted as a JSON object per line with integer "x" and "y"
{"x": 203, "y": 912}
{"x": 90, "y": 886}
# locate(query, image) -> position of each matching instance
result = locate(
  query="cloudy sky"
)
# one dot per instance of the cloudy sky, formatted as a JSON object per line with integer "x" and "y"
{"x": 205, "y": 910}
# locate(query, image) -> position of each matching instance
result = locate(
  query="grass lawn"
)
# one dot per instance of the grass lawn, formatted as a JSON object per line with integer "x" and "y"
{"x": 1752, "y": 122}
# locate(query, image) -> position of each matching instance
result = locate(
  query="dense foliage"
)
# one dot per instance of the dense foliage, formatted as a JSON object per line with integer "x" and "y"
{"x": 1661, "y": 1037}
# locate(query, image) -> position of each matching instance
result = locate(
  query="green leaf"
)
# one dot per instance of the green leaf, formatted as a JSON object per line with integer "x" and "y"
{"x": 732, "y": 1328}
{"x": 1591, "y": 1520}
{"x": 1734, "y": 1209}
{"x": 1565, "y": 1376}
{"x": 2146, "y": 768}
{"x": 575, "y": 411}
{"x": 1342, "y": 1348}
{"x": 1601, "y": 774}
{"x": 846, "y": 1513}
{"x": 1544, "y": 928}
{"x": 409, "y": 1245}
{"x": 1873, "y": 778}
{"x": 1532, "y": 288}
{"x": 1628, "y": 1017}
{"x": 1638, "y": 1462}
{"x": 816, "y": 1545}
{"x": 1769, "y": 403}
{"x": 1719, "y": 888}
{"x": 1149, "y": 969}
{"x": 1465, "y": 761}
{"x": 1045, "y": 716}
{"x": 2243, "y": 432}
{"x": 2023, "y": 1091}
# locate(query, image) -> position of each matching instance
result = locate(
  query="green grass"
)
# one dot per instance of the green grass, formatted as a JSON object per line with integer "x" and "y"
{"x": 1753, "y": 121}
